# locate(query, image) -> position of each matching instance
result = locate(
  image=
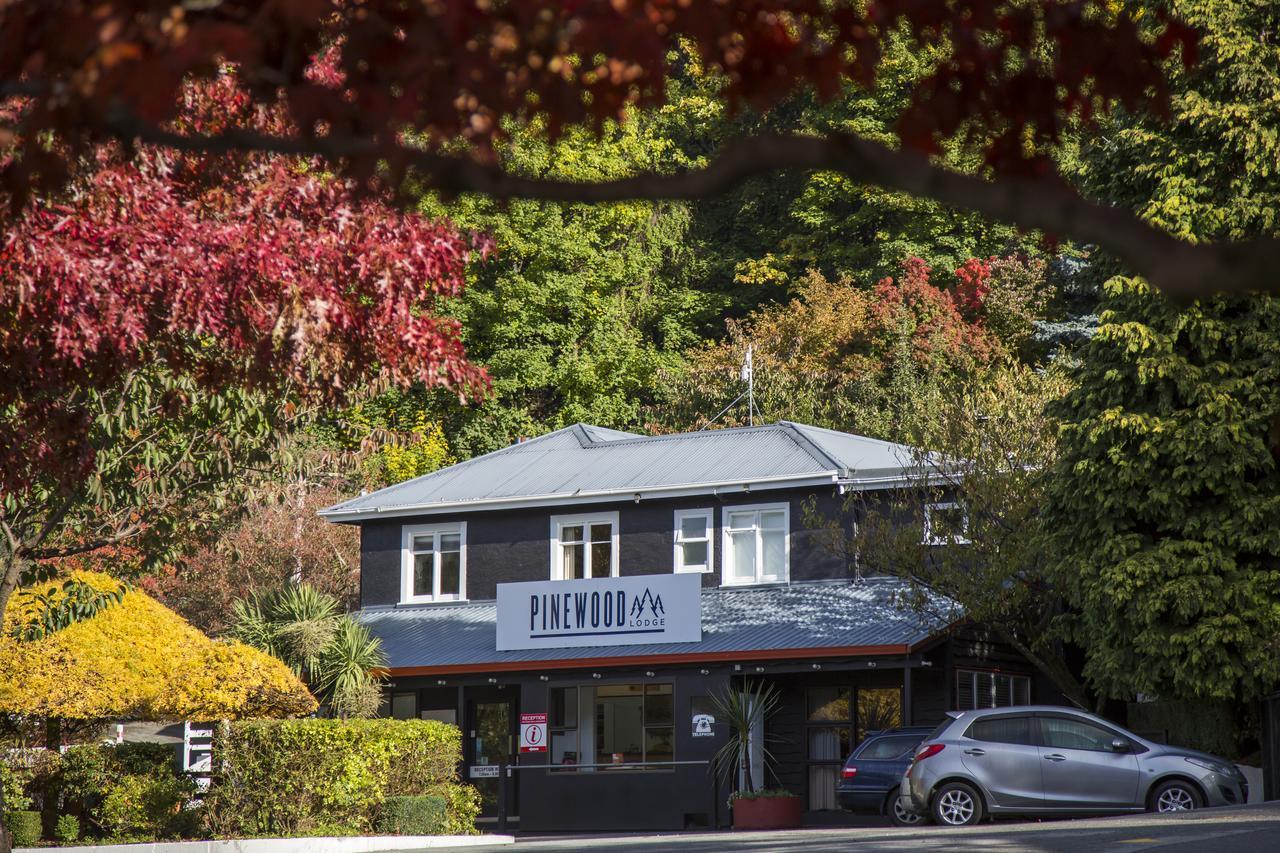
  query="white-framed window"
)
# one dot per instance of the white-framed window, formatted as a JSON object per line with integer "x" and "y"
{"x": 434, "y": 563}
{"x": 584, "y": 546}
{"x": 694, "y": 535}
{"x": 977, "y": 689}
{"x": 756, "y": 544}
{"x": 946, "y": 523}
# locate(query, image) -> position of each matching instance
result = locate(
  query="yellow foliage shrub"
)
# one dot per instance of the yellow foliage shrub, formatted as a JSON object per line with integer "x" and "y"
{"x": 137, "y": 659}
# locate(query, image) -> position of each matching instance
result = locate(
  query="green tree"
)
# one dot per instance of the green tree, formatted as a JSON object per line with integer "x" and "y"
{"x": 1165, "y": 498}
{"x": 986, "y": 558}
{"x": 762, "y": 238}
{"x": 582, "y": 305}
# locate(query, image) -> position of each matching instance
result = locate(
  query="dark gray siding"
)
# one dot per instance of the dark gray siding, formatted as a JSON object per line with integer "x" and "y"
{"x": 513, "y": 545}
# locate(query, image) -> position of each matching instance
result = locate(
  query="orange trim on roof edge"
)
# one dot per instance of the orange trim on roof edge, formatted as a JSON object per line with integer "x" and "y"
{"x": 645, "y": 660}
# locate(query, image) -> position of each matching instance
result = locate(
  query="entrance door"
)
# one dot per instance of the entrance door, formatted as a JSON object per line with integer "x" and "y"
{"x": 490, "y": 744}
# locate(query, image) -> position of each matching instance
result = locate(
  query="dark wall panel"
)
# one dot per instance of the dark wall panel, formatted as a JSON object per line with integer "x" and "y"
{"x": 514, "y": 545}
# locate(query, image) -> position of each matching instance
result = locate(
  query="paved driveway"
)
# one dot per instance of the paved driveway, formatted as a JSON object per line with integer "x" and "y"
{"x": 1247, "y": 829}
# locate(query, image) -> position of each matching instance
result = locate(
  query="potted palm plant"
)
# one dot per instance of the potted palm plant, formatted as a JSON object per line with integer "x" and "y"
{"x": 754, "y": 806}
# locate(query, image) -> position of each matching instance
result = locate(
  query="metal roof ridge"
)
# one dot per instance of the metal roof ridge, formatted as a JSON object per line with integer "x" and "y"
{"x": 811, "y": 447}
{"x": 856, "y": 435}
{"x": 673, "y": 436}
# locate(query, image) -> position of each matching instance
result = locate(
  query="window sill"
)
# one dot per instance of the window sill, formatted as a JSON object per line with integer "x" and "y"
{"x": 738, "y": 584}
{"x": 430, "y": 602}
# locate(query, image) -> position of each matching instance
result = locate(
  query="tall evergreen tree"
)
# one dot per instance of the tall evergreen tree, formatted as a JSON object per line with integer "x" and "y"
{"x": 1166, "y": 501}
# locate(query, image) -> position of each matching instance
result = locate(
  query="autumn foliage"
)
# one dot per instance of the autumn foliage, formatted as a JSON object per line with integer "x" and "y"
{"x": 242, "y": 271}
{"x": 137, "y": 659}
{"x": 456, "y": 69}
{"x": 868, "y": 359}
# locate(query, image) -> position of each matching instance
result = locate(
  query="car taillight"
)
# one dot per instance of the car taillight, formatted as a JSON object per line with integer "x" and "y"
{"x": 928, "y": 752}
{"x": 849, "y": 772}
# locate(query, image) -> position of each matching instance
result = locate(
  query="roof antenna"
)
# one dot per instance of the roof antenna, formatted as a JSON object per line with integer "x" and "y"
{"x": 746, "y": 374}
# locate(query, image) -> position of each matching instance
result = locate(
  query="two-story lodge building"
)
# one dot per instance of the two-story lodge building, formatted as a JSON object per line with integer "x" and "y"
{"x": 605, "y": 585}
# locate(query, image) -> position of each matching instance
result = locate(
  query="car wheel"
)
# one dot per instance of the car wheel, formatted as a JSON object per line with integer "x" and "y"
{"x": 956, "y": 804}
{"x": 899, "y": 815}
{"x": 1175, "y": 796}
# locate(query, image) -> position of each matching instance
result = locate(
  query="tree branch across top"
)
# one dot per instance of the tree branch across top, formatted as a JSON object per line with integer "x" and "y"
{"x": 361, "y": 78}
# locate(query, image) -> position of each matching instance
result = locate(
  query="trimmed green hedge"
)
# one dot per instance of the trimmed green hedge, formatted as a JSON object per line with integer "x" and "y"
{"x": 331, "y": 777}
{"x": 24, "y": 828}
{"x": 413, "y": 816}
{"x": 1208, "y": 725}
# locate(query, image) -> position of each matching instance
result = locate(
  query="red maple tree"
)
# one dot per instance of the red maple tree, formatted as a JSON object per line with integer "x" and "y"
{"x": 155, "y": 298}
{"x": 291, "y": 278}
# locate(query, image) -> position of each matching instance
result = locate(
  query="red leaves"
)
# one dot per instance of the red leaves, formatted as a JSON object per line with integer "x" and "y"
{"x": 449, "y": 69}
{"x": 246, "y": 270}
{"x": 940, "y": 320}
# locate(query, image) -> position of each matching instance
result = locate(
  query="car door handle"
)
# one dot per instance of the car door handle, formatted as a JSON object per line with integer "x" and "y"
{"x": 1053, "y": 756}
{"x": 975, "y": 752}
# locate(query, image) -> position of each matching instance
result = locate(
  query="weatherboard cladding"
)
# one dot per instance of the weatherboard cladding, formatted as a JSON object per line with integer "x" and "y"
{"x": 816, "y": 616}
{"x": 582, "y": 460}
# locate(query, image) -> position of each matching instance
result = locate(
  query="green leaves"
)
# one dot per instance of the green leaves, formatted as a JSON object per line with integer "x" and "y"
{"x": 1164, "y": 502}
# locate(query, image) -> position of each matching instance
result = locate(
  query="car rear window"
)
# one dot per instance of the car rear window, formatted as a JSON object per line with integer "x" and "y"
{"x": 889, "y": 747}
{"x": 942, "y": 727}
{"x": 1002, "y": 730}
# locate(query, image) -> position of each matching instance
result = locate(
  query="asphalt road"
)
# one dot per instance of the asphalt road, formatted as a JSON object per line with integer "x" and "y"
{"x": 1247, "y": 829}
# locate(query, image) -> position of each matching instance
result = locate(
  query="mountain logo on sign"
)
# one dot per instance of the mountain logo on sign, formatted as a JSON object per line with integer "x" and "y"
{"x": 654, "y": 603}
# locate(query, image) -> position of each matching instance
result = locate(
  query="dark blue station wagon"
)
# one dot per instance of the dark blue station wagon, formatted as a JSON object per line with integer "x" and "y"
{"x": 869, "y": 781}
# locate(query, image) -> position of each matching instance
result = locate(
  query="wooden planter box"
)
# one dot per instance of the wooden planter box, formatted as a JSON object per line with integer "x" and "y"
{"x": 766, "y": 813}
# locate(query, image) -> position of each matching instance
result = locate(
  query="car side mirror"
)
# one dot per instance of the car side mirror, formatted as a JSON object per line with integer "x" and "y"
{"x": 1121, "y": 745}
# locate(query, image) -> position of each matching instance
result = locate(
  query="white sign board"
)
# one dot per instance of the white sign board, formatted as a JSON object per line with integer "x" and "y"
{"x": 484, "y": 771}
{"x": 533, "y": 732}
{"x": 600, "y": 612}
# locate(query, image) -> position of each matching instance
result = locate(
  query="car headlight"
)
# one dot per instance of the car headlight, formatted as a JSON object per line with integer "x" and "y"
{"x": 1215, "y": 766}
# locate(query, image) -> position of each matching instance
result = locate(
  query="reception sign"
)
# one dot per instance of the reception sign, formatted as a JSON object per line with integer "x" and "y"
{"x": 600, "y": 612}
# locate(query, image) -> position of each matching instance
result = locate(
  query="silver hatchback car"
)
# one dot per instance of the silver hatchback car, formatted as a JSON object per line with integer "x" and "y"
{"x": 1050, "y": 761}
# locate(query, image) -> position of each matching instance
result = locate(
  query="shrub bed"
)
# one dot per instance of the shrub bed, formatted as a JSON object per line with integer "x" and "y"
{"x": 332, "y": 777}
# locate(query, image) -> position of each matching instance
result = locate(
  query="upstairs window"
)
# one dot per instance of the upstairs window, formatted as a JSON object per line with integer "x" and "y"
{"x": 693, "y": 536}
{"x": 584, "y": 546}
{"x": 434, "y": 564}
{"x": 755, "y": 544}
{"x": 946, "y": 523}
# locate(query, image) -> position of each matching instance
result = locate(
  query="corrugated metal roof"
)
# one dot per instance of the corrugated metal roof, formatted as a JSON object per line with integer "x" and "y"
{"x": 735, "y": 622}
{"x": 584, "y": 461}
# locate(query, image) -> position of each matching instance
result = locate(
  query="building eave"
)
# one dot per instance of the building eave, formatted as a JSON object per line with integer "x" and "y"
{"x": 616, "y": 661}
{"x": 722, "y": 488}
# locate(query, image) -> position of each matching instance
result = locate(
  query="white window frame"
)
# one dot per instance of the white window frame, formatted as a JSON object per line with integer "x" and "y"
{"x": 586, "y": 520}
{"x": 930, "y": 539}
{"x": 726, "y": 545}
{"x": 407, "y": 532}
{"x": 678, "y": 552}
